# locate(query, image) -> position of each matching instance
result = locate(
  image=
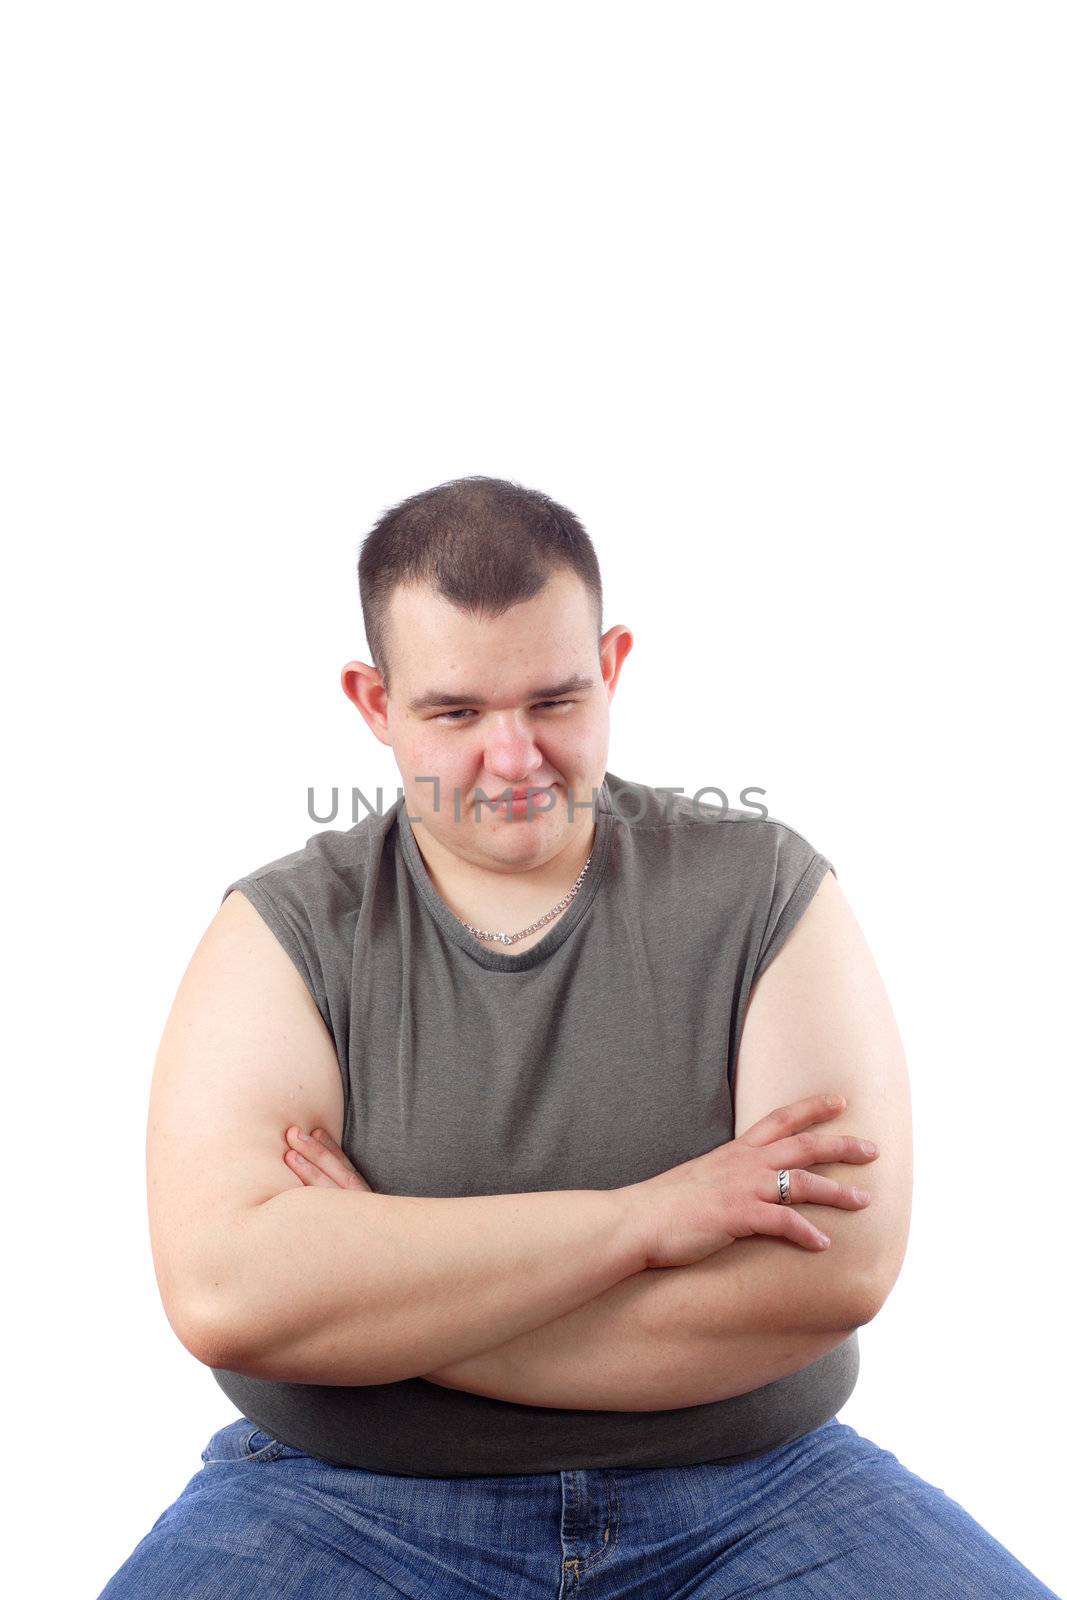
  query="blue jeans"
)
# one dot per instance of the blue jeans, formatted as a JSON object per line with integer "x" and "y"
{"x": 830, "y": 1516}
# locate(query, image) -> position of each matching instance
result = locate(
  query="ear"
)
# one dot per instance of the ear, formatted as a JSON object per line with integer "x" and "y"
{"x": 364, "y": 686}
{"x": 615, "y": 646}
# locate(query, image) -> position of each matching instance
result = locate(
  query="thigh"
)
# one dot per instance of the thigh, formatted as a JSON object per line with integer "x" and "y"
{"x": 835, "y": 1515}
{"x": 262, "y": 1519}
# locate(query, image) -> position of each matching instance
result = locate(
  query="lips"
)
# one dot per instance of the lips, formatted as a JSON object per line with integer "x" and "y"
{"x": 521, "y": 794}
{"x": 516, "y": 794}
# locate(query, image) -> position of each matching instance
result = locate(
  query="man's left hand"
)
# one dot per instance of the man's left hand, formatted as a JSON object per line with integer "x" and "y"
{"x": 320, "y": 1162}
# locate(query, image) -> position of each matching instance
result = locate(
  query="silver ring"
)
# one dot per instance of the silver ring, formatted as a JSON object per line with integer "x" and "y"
{"x": 784, "y": 1197}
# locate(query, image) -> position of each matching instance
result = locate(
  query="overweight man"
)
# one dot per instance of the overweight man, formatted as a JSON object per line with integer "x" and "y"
{"x": 524, "y": 1159}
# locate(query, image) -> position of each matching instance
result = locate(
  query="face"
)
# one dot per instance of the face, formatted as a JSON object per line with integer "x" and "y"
{"x": 467, "y": 705}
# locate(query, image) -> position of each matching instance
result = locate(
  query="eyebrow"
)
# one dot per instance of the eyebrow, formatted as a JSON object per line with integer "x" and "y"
{"x": 440, "y": 697}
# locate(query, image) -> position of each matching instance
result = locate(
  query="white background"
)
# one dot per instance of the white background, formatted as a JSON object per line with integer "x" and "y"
{"x": 772, "y": 297}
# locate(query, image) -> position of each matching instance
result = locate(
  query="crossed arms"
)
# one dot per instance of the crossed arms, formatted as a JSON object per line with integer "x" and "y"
{"x": 819, "y": 1020}
{"x": 255, "y": 1281}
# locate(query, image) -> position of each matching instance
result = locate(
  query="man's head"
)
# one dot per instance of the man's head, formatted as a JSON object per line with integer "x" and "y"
{"x": 479, "y": 598}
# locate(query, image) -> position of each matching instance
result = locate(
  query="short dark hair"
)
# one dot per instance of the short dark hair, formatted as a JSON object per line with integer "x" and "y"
{"x": 483, "y": 543}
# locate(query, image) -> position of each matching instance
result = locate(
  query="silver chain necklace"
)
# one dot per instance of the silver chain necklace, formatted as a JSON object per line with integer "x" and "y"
{"x": 513, "y": 938}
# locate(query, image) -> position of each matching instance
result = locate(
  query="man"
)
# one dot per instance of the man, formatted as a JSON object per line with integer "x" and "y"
{"x": 545, "y": 1299}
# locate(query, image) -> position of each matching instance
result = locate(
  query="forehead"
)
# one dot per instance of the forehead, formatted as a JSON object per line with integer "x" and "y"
{"x": 534, "y": 649}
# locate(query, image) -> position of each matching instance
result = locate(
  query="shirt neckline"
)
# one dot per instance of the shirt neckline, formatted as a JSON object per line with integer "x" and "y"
{"x": 561, "y": 929}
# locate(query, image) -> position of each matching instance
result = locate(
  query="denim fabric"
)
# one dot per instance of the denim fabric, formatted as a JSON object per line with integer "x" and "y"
{"x": 829, "y": 1516}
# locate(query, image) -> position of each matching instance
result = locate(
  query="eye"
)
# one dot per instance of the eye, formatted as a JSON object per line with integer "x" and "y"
{"x": 454, "y": 716}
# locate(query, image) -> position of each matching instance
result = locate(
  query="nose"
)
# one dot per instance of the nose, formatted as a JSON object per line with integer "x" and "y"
{"x": 510, "y": 754}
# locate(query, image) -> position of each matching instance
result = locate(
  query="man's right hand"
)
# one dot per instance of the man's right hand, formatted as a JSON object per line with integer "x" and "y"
{"x": 692, "y": 1210}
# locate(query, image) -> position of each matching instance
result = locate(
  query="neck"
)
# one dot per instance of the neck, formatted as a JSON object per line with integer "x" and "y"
{"x": 502, "y": 898}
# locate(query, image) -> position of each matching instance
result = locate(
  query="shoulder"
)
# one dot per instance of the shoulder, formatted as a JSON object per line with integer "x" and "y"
{"x": 328, "y": 871}
{"x": 310, "y": 899}
{"x": 743, "y": 877}
{"x": 746, "y": 843}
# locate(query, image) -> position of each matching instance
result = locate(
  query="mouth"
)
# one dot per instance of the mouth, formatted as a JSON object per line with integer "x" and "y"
{"x": 522, "y": 798}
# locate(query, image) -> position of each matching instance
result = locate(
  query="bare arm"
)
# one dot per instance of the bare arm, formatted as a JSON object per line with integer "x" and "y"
{"x": 443, "y": 1281}
{"x": 262, "y": 1274}
{"x": 820, "y": 1014}
{"x": 329, "y": 1286}
{"x": 680, "y": 1336}
{"x": 664, "y": 1338}
{"x": 818, "y": 1017}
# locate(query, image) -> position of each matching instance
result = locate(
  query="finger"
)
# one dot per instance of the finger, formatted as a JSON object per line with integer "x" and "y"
{"x": 812, "y": 1188}
{"x": 814, "y": 1149}
{"x": 336, "y": 1154}
{"x": 329, "y": 1143}
{"x": 329, "y": 1159}
{"x": 308, "y": 1173}
{"x": 312, "y": 1156}
{"x": 785, "y": 1223}
{"x": 357, "y": 1180}
{"x": 784, "y": 1120}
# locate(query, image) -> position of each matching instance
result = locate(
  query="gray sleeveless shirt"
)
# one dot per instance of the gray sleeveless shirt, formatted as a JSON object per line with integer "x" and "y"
{"x": 602, "y": 1055}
